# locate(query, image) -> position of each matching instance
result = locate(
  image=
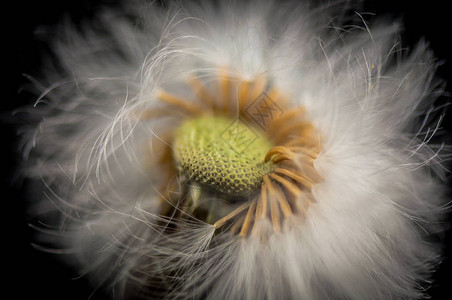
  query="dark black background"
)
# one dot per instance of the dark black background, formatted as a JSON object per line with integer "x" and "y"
{"x": 30, "y": 273}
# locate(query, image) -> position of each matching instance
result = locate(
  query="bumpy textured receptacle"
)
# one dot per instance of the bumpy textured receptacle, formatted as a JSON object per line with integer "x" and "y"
{"x": 224, "y": 154}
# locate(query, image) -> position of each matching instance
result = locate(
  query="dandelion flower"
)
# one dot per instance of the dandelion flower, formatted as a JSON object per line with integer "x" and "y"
{"x": 232, "y": 150}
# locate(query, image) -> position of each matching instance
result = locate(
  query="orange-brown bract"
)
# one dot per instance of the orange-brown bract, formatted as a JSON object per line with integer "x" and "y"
{"x": 286, "y": 190}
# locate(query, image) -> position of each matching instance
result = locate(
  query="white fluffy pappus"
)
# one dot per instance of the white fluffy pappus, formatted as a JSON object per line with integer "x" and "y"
{"x": 366, "y": 233}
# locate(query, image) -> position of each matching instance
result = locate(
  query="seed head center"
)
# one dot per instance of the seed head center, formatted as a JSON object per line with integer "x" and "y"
{"x": 222, "y": 153}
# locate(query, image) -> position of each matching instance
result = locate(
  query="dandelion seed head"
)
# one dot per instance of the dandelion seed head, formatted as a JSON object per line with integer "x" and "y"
{"x": 235, "y": 150}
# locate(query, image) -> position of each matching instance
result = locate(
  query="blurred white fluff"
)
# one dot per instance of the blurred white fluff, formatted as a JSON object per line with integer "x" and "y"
{"x": 366, "y": 236}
